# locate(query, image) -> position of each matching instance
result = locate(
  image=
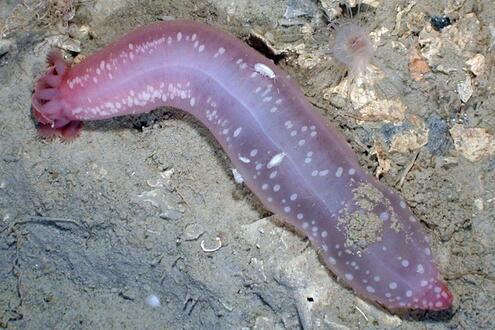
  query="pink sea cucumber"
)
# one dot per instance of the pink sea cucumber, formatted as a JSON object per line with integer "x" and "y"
{"x": 297, "y": 164}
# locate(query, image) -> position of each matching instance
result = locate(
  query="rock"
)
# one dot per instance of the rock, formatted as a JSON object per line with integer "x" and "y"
{"x": 418, "y": 65}
{"x": 444, "y": 51}
{"x": 476, "y": 64}
{"x": 465, "y": 89}
{"x": 439, "y": 22}
{"x": 164, "y": 197}
{"x": 266, "y": 323}
{"x": 412, "y": 139}
{"x": 384, "y": 164}
{"x": 58, "y": 41}
{"x": 193, "y": 232}
{"x": 331, "y": 9}
{"x": 5, "y": 46}
{"x": 366, "y": 97}
{"x": 439, "y": 139}
{"x": 473, "y": 143}
{"x": 468, "y": 32}
{"x": 492, "y": 34}
{"x": 388, "y": 111}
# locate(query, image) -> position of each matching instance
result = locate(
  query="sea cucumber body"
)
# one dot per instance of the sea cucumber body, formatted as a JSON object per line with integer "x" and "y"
{"x": 299, "y": 166}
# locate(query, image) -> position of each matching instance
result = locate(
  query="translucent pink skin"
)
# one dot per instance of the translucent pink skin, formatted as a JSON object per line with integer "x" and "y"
{"x": 295, "y": 162}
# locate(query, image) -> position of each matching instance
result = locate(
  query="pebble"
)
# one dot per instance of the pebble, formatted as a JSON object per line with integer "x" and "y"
{"x": 152, "y": 300}
{"x": 465, "y": 89}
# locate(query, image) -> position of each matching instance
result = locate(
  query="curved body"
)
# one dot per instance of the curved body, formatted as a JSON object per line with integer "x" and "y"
{"x": 297, "y": 164}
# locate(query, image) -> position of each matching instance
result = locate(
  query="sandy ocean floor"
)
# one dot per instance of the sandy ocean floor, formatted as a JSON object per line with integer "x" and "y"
{"x": 90, "y": 230}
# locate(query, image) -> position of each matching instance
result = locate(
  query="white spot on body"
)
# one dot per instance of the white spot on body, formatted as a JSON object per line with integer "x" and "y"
{"x": 237, "y": 132}
{"x": 192, "y": 101}
{"x": 384, "y": 216}
{"x": 264, "y": 70}
{"x": 179, "y": 36}
{"x": 219, "y": 52}
{"x": 244, "y": 159}
{"x": 339, "y": 172}
{"x": 276, "y": 160}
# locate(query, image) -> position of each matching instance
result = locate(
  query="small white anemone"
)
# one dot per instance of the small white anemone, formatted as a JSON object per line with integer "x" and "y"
{"x": 353, "y": 47}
